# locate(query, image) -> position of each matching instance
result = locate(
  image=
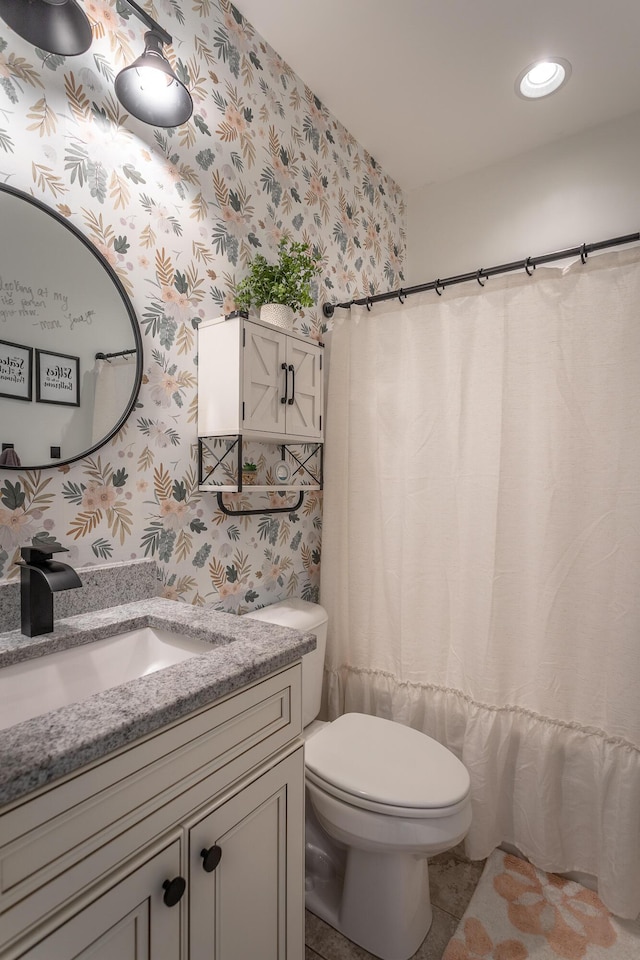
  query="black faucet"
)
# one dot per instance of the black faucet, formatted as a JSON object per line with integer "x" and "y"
{"x": 40, "y": 578}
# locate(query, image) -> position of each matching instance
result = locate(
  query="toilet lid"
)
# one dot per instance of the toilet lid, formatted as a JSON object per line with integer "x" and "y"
{"x": 387, "y": 763}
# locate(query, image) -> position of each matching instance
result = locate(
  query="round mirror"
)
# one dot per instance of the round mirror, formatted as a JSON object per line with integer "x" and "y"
{"x": 70, "y": 345}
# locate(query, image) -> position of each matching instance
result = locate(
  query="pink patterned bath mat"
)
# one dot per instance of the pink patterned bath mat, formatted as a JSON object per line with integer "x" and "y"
{"x": 520, "y": 913}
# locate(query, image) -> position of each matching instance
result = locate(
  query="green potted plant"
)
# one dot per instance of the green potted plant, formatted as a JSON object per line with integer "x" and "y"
{"x": 249, "y": 471}
{"x": 280, "y": 288}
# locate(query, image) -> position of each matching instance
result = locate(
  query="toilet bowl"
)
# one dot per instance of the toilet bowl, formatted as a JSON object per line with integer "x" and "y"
{"x": 381, "y": 799}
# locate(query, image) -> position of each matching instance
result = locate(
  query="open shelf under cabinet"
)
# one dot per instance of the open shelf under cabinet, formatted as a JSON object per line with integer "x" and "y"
{"x": 230, "y": 461}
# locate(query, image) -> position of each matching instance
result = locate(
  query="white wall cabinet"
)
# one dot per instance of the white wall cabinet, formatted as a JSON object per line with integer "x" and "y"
{"x": 256, "y": 380}
{"x": 214, "y": 801}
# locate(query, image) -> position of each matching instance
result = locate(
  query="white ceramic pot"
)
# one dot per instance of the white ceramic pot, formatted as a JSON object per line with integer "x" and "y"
{"x": 277, "y": 314}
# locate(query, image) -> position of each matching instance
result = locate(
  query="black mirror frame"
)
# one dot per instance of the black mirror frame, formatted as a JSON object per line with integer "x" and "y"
{"x": 6, "y": 188}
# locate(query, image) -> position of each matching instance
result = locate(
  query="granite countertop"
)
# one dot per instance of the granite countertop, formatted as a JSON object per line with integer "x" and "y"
{"x": 39, "y": 750}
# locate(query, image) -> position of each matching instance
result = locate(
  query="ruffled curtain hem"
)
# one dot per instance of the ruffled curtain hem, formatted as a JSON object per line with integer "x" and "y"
{"x": 564, "y": 794}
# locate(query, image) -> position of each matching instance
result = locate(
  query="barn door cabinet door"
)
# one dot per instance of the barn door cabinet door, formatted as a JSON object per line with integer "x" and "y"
{"x": 304, "y": 389}
{"x": 264, "y": 365}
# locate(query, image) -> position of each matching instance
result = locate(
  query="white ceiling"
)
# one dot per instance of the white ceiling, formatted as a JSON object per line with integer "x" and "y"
{"x": 427, "y": 86}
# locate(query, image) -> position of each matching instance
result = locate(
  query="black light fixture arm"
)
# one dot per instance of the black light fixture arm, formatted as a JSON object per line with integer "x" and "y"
{"x": 483, "y": 273}
{"x": 149, "y": 21}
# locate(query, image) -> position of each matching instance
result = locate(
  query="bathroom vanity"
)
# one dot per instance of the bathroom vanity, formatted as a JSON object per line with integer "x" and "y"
{"x": 162, "y": 818}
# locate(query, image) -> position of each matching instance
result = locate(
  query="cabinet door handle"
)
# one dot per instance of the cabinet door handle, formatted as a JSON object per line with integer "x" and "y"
{"x": 173, "y": 890}
{"x": 283, "y": 366}
{"x": 211, "y": 858}
{"x": 292, "y": 371}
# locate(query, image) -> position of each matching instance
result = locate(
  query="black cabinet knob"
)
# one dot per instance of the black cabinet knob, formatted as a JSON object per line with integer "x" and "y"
{"x": 173, "y": 890}
{"x": 211, "y": 858}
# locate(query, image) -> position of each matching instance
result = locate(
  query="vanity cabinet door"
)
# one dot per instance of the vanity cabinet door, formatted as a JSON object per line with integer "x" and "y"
{"x": 251, "y": 904}
{"x": 130, "y": 921}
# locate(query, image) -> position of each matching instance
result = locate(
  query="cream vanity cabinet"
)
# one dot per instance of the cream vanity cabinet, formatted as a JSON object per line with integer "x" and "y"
{"x": 188, "y": 845}
{"x": 256, "y": 380}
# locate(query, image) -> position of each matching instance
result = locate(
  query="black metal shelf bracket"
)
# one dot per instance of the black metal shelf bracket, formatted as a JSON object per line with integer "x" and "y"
{"x": 302, "y": 464}
{"x": 236, "y": 443}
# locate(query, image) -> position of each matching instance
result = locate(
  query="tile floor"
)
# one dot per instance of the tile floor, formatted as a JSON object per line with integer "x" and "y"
{"x": 452, "y": 877}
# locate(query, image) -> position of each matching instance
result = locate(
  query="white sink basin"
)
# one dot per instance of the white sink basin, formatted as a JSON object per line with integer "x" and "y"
{"x": 33, "y": 687}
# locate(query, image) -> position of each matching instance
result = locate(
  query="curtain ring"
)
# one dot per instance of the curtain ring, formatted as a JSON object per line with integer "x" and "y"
{"x": 369, "y": 303}
{"x": 478, "y": 276}
{"x": 527, "y": 264}
{"x": 583, "y": 253}
{"x": 438, "y": 284}
{"x": 401, "y": 295}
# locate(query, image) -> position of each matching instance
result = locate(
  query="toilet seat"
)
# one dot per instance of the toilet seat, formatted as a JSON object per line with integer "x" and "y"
{"x": 383, "y": 766}
{"x": 386, "y": 809}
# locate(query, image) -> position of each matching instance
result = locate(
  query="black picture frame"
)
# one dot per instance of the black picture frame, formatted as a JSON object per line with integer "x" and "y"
{"x": 22, "y": 357}
{"x": 57, "y": 378}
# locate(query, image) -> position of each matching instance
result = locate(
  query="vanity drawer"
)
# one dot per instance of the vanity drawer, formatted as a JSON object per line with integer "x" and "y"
{"x": 80, "y": 827}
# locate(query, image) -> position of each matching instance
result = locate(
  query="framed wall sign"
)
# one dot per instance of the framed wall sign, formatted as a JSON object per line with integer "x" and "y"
{"x": 15, "y": 370}
{"x": 57, "y": 378}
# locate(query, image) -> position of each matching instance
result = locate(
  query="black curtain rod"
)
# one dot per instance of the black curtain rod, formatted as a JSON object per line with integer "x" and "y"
{"x": 120, "y": 353}
{"x": 482, "y": 274}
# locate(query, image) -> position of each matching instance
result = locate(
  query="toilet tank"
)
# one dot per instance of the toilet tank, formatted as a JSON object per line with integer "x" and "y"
{"x": 308, "y": 618}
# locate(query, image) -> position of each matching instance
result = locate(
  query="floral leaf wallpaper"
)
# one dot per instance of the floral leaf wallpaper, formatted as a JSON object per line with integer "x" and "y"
{"x": 178, "y": 214}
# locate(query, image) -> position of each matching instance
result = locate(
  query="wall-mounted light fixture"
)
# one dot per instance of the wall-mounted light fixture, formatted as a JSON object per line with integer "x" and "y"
{"x": 58, "y": 26}
{"x": 148, "y": 88}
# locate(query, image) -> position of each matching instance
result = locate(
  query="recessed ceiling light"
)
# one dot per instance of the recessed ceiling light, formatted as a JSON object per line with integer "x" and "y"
{"x": 542, "y": 78}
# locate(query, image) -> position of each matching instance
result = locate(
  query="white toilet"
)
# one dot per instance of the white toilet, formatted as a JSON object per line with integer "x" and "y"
{"x": 383, "y": 797}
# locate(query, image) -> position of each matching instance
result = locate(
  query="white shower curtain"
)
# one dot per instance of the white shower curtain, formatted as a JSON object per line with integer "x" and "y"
{"x": 114, "y": 382}
{"x": 481, "y": 550}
